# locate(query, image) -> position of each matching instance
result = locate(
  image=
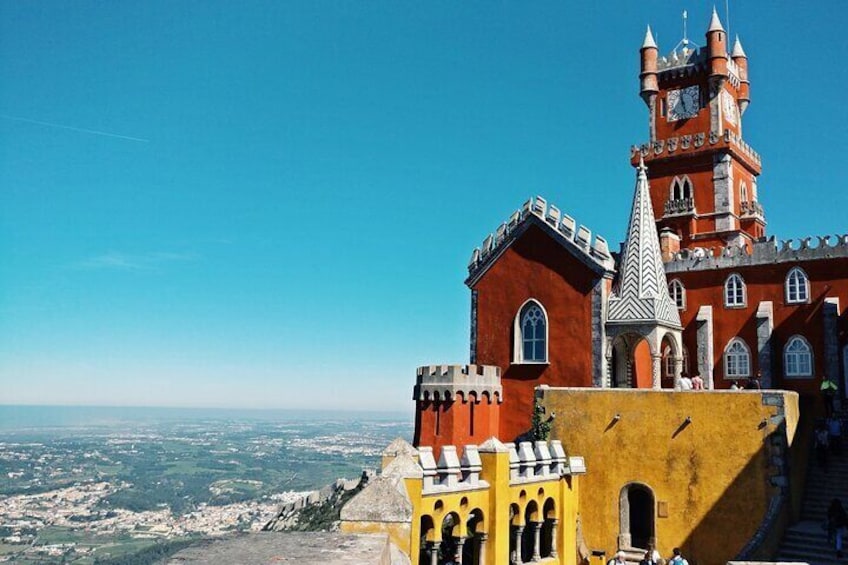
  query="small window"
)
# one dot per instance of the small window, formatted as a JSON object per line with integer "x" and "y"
{"x": 743, "y": 192}
{"x": 675, "y": 189}
{"x": 798, "y": 358}
{"x": 687, "y": 188}
{"x": 532, "y": 334}
{"x": 677, "y": 293}
{"x": 734, "y": 291}
{"x": 737, "y": 360}
{"x": 663, "y": 107}
{"x": 797, "y": 287}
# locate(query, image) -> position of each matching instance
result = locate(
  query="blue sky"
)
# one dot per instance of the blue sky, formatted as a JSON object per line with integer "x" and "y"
{"x": 290, "y": 224}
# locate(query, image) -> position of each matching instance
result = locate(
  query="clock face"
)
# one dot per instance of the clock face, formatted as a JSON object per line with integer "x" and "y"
{"x": 729, "y": 107}
{"x": 683, "y": 103}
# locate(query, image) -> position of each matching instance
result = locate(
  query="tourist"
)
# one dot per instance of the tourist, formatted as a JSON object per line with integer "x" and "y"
{"x": 677, "y": 558}
{"x": 697, "y": 382}
{"x": 685, "y": 382}
{"x": 618, "y": 559}
{"x": 821, "y": 441}
{"x": 754, "y": 384}
{"x": 828, "y": 390}
{"x": 649, "y": 559}
{"x": 735, "y": 386}
{"x": 834, "y": 434}
{"x": 837, "y": 519}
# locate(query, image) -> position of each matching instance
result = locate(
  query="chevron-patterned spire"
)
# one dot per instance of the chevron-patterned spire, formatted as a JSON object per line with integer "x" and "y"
{"x": 641, "y": 294}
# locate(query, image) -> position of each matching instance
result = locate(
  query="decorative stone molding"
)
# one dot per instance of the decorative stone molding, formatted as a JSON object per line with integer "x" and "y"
{"x": 729, "y": 139}
{"x": 446, "y": 382}
{"x": 593, "y": 252}
{"x": 761, "y": 252}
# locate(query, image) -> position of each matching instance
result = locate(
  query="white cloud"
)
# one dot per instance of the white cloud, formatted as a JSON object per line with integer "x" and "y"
{"x": 115, "y": 260}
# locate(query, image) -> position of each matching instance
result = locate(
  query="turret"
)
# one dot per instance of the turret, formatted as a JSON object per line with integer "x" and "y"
{"x": 717, "y": 48}
{"x": 741, "y": 60}
{"x": 648, "y": 76}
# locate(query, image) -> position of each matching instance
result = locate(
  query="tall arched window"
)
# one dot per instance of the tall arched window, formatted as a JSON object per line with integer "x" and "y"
{"x": 743, "y": 192}
{"x": 797, "y": 286}
{"x": 531, "y": 334}
{"x": 798, "y": 358}
{"x": 734, "y": 291}
{"x": 687, "y": 188}
{"x": 678, "y": 294}
{"x": 737, "y": 360}
{"x": 681, "y": 188}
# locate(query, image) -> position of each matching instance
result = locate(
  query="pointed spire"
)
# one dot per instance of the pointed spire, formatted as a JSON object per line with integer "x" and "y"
{"x": 649, "y": 42}
{"x": 715, "y": 23}
{"x": 641, "y": 294}
{"x": 737, "y": 49}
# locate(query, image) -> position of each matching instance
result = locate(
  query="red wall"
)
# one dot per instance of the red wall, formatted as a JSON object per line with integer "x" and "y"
{"x": 828, "y": 278}
{"x": 450, "y": 422}
{"x": 535, "y": 266}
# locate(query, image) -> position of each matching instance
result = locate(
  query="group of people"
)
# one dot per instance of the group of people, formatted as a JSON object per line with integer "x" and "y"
{"x": 691, "y": 383}
{"x": 652, "y": 557}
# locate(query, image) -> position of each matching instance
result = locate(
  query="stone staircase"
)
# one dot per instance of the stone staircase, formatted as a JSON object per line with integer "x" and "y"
{"x": 806, "y": 541}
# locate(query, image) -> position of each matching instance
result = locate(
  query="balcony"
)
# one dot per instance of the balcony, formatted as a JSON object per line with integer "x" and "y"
{"x": 752, "y": 208}
{"x": 680, "y": 207}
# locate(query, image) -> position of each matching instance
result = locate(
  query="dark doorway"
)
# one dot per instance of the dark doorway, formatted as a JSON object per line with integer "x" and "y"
{"x": 641, "y": 504}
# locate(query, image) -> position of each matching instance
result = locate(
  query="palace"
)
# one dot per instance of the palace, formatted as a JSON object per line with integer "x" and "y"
{"x": 594, "y": 345}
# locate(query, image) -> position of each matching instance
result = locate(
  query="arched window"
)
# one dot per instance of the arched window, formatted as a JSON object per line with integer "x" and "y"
{"x": 677, "y": 293}
{"x": 680, "y": 188}
{"x": 668, "y": 362}
{"x": 797, "y": 286}
{"x": 734, "y": 291}
{"x": 531, "y": 333}
{"x": 737, "y": 360}
{"x": 743, "y": 192}
{"x": 798, "y": 358}
{"x": 687, "y": 188}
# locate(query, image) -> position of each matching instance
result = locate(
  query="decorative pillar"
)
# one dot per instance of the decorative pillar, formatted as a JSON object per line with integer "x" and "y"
{"x": 434, "y": 553}
{"x": 704, "y": 354}
{"x": 554, "y": 537}
{"x": 516, "y": 558}
{"x": 765, "y": 326}
{"x": 678, "y": 370}
{"x": 460, "y": 541}
{"x": 656, "y": 372}
{"x": 610, "y": 373}
{"x": 537, "y": 538}
{"x": 481, "y": 550}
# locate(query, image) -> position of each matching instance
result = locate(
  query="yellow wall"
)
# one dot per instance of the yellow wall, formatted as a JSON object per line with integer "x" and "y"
{"x": 399, "y": 533}
{"x": 712, "y": 475}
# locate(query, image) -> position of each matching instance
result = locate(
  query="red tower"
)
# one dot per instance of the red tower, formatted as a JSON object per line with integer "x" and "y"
{"x": 703, "y": 176}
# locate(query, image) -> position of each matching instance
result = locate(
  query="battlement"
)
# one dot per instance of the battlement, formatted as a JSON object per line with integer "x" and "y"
{"x": 684, "y": 143}
{"x": 528, "y": 463}
{"x": 562, "y": 226}
{"x": 446, "y": 382}
{"x": 689, "y": 62}
{"x": 762, "y": 252}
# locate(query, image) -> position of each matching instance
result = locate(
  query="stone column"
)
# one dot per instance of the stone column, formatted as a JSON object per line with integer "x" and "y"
{"x": 519, "y": 530}
{"x": 678, "y": 370}
{"x": 481, "y": 550}
{"x": 610, "y": 373}
{"x": 434, "y": 553}
{"x": 554, "y": 540}
{"x": 460, "y": 541}
{"x": 656, "y": 372}
{"x": 765, "y": 325}
{"x": 704, "y": 354}
{"x": 831, "y": 346}
{"x": 537, "y": 539}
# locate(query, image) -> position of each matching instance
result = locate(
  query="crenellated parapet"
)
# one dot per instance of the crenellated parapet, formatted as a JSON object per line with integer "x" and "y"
{"x": 761, "y": 252}
{"x": 594, "y": 252}
{"x": 540, "y": 461}
{"x": 691, "y": 143}
{"x": 458, "y": 382}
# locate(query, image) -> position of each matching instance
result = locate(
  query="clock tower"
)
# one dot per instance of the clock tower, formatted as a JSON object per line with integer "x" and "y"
{"x": 703, "y": 176}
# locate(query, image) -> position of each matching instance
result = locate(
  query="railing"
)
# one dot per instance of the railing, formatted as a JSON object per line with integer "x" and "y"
{"x": 680, "y": 206}
{"x": 752, "y": 208}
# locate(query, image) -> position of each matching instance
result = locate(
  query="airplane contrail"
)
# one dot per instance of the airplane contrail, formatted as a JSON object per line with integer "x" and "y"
{"x": 72, "y": 128}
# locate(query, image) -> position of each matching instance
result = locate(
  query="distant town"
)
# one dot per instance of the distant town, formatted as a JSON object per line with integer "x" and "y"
{"x": 91, "y": 494}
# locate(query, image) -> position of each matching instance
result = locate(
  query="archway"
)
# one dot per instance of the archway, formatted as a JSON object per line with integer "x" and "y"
{"x": 642, "y": 365}
{"x": 428, "y": 531}
{"x": 636, "y": 520}
{"x": 530, "y": 536}
{"x": 516, "y": 527}
{"x": 668, "y": 365}
{"x": 619, "y": 362}
{"x": 450, "y": 534}
{"x": 473, "y": 548}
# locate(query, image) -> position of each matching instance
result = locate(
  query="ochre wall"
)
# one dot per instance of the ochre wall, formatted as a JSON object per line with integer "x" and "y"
{"x": 828, "y": 278}
{"x": 713, "y": 474}
{"x": 535, "y": 266}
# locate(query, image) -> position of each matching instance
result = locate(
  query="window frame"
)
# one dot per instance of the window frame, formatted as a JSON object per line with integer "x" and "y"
{"x": 744, "y": 291}
{"x": 809, "y": 352}
{"x": 736, "y": 341}
{"x": 796, "y": 271}
{"x": 518, "y": 331}
{"x": 681, "y": 290}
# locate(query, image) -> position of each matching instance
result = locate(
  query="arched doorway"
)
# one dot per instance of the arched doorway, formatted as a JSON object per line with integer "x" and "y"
{"x": 637, "y": 512}
{"x": 630, "y": 362}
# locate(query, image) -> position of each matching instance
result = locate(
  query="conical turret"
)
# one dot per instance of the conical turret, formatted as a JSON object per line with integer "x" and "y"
{"x": 648, "y": 76}
{"x": 717, "y": 47}
{"x": 641, "y": 295}
{"x": 741, "y": 59}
